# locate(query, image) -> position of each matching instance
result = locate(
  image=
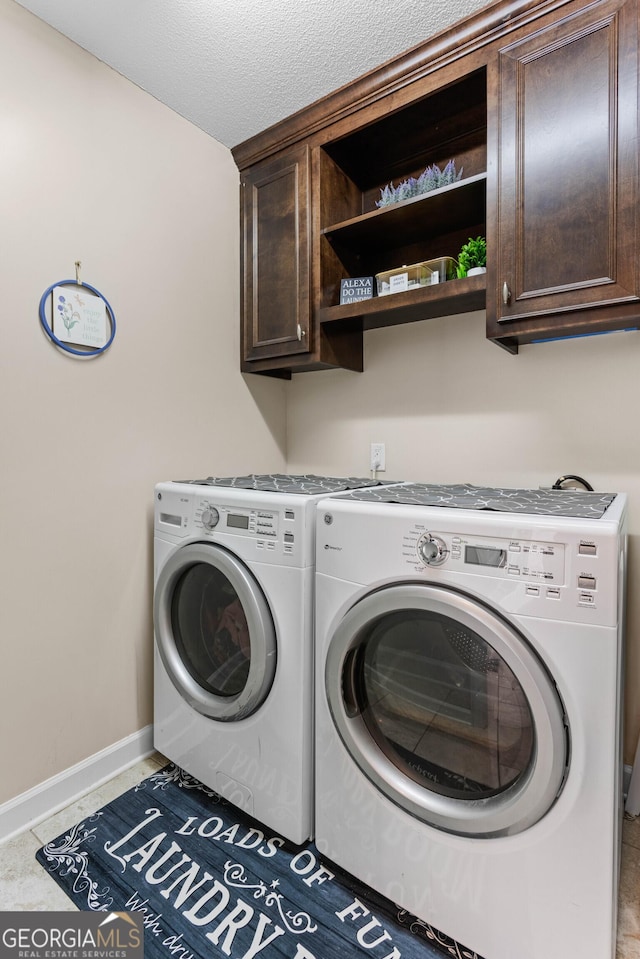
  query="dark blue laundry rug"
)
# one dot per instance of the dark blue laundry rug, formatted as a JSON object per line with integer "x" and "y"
{"x": 209, "y": 881}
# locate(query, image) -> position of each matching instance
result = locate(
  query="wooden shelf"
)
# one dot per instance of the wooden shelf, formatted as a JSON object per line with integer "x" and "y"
{"x": 443, "y": 299}
{"x": 414, "y": 220}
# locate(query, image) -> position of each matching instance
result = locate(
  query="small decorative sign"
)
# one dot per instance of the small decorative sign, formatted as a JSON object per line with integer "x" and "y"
{"x": 356, "y": 288}
{"x": 79, "y": 317}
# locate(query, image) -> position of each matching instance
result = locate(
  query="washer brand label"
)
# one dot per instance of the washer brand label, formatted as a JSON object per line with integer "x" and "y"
{"x": 337, "y": 549}
{"x": 71, "y": 935}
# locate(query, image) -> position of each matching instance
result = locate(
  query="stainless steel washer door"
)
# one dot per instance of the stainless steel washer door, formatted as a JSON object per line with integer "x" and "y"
{"x": 447, "y": 709}
{"x": 214, "y": 631}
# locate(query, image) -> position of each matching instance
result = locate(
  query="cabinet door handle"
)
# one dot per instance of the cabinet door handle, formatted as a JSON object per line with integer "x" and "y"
{"x": 301, "y": 332}
{"x": 506, "y": 293}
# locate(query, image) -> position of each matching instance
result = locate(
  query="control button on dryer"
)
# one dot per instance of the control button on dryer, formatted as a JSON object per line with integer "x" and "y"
{"x": 586, "y": 599}
{"x": 586, "y": 582}
{"x": 587, "y": 549}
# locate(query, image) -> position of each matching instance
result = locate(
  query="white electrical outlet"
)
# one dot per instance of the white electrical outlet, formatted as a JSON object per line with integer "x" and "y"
{"x": 378, "y": 463}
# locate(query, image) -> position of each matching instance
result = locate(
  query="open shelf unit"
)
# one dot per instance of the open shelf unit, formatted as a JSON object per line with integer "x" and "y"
{"x": 359, "y": 239}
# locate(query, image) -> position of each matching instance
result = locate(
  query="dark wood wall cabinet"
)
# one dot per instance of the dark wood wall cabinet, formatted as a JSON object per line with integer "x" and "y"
{"x": 537, "y": 103}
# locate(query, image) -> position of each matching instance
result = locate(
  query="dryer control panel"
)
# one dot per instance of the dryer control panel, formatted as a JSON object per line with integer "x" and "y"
{"x": 531, "y": 560}
{"x": 235, "y": 519}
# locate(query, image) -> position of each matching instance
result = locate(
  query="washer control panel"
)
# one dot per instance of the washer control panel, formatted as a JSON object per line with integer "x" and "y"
{"x": 255, "y": 523}
{"x": 530, "y": 560}
{"x": 273, "y": 529}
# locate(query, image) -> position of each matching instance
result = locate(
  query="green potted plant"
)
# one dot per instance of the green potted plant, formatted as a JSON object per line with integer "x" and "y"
{"x": 472, "y": 258}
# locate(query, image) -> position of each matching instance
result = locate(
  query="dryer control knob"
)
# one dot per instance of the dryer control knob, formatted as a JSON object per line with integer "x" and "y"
{"x": 210, "y": 517}
{"x": 432, "y": 550}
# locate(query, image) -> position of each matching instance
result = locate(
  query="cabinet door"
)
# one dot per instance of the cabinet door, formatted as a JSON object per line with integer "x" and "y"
{"x": 568, "y": 177}
{"x": 275, "y": 221}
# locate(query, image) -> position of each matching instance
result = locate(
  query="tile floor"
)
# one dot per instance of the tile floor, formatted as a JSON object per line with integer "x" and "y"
{"x": 24, "y": 885}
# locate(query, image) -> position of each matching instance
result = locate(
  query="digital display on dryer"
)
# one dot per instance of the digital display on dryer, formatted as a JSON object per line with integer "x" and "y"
{"x": 485, "y": 556}
{"x": 238, "y": 522}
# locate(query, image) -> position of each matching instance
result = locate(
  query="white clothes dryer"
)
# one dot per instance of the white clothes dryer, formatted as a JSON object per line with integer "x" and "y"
{"x": 468, "y": 709}
{"x": 233, "y": 622}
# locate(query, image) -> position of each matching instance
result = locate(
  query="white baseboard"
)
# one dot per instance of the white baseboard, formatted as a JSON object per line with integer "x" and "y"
{"x": 54, "y": 794}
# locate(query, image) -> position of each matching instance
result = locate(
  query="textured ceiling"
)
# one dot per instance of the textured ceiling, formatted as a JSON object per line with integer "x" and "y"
{"x": 234, "y": 67}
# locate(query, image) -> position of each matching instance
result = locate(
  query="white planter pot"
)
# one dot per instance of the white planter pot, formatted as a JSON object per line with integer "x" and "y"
{"x": 476, "y": 270}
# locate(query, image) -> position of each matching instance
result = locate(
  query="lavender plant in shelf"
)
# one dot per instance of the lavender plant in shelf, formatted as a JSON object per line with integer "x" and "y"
{"x": 431, "y": 179}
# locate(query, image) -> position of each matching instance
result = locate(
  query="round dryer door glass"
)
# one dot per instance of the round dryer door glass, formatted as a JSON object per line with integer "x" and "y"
{"x": 214, "y": 631}
{"x": 444, "y": 706}
{"x": 447, "y": 709}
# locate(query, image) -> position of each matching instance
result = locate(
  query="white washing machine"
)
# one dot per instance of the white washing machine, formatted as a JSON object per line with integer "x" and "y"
{"x": 468, "y": 710}
{"x": 233, "y": 622}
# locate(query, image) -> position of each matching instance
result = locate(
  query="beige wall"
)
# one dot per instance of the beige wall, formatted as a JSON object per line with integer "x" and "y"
{"x": 452, "y": 407}
{"x": 93, "y": 169}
